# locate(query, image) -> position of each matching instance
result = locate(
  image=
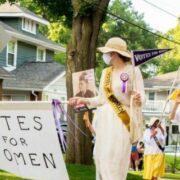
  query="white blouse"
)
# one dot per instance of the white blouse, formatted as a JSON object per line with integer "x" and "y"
{"x": 124, "y": 98}
{"x": 150, "y": 145}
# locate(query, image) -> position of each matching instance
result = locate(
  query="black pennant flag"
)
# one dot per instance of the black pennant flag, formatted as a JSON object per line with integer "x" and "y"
{"x": 142, "y": 56}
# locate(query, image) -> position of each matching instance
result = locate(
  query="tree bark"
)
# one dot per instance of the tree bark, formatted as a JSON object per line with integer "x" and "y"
{"x": 81, "y": 52}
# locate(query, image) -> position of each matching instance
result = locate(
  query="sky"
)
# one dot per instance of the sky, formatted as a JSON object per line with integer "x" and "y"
{"x": 157, "y": 19}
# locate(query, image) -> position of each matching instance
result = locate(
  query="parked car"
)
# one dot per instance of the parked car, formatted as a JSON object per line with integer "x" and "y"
{"x": 172, "y": 150}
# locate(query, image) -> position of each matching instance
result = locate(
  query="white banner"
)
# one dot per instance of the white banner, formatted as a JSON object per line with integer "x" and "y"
{"x": 29, "y": 145}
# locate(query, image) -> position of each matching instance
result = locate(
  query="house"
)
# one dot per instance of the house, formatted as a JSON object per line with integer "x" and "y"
{"x": 157, "y": 91}
{"x": 28, "y": 57}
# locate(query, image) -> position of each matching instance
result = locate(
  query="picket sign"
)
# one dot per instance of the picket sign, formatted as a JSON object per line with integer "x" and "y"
{"x": 29, "y": 145}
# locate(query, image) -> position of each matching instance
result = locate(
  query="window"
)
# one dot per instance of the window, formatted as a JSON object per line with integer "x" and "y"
{"x": 6, "y": 98}
{"x": 175, "y": 129}
{"x": 18, "y": 98}
{"x": 29, "y": 25}
{"x": 41, "y": 54}
{"x": 11, "y": 53}
{"x": 14, "y": 97}
{"x": 151, "y": 95}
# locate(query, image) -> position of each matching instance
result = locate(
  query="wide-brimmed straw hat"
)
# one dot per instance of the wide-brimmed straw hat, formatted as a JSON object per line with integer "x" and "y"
{"x": 153, "y": 120}
{"x": 116, "y": 44}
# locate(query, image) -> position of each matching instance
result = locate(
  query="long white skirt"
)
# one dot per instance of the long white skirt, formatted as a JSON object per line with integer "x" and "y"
{"x": 112, "y": 146}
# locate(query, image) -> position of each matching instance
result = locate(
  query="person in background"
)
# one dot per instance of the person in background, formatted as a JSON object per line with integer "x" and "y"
{"x": 134, "y": 157}
{"x": 92, "y": 128}
{"x": 116, "y": 92}
{"x": 154, "y": 158}
{"x": 140, "y": 148}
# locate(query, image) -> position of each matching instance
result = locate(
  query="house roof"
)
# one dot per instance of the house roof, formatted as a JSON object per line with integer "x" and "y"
{"x": 15, "y": 10}
{"x": 5, "y": 74}
{"x": 34, "y": 76}
{"x": 163, "y": 81}
{"x": 38, "y": 40}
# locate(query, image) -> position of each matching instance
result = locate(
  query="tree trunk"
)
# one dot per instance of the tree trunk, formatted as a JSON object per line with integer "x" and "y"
{"x": 81, "y": 53}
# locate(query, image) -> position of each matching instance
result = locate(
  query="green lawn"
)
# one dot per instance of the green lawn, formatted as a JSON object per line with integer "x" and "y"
{"x": 167, "y": 175}
{"x": 8, "y": 176}
{"x": 170, "y": 163}
{"x": 81, "y": 172}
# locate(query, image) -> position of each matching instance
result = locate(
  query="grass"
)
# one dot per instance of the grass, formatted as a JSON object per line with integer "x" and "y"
{"x": 170, "y": 163}
{"x": 7, "y": 176}
{"x": 82, "y": 172}
{"x": 167, "y": 175}
{"x": 172, "y": 176}
{"x": 79, "y": 172}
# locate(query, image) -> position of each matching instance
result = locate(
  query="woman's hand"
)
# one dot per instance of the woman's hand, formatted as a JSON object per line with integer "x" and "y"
{"x": 137, "y": 98}
{"x": 161, "y": 128}
{"x": 153, "y": 132}
{"x": 75, "y": 101}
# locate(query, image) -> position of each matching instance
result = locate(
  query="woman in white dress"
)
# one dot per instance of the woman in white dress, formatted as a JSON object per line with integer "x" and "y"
{"x": 118, "y": 123}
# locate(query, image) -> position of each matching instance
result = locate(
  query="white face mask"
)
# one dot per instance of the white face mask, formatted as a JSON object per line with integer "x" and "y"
{"x": 107, "y": 58}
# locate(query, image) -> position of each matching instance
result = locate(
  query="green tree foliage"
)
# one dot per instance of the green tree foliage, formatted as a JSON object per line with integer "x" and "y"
{"x": 134, "y": 36}
{"x": 171, "y": 60}
{"x": 52, "y": 9}
{"x": 60, "y": 33}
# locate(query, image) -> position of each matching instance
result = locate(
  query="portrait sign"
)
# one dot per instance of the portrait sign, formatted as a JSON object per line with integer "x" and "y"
{"x": 84, "y": 86}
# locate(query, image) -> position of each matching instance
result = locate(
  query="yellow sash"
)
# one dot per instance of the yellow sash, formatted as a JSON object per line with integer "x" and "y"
{"x": 114, "y": 102}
